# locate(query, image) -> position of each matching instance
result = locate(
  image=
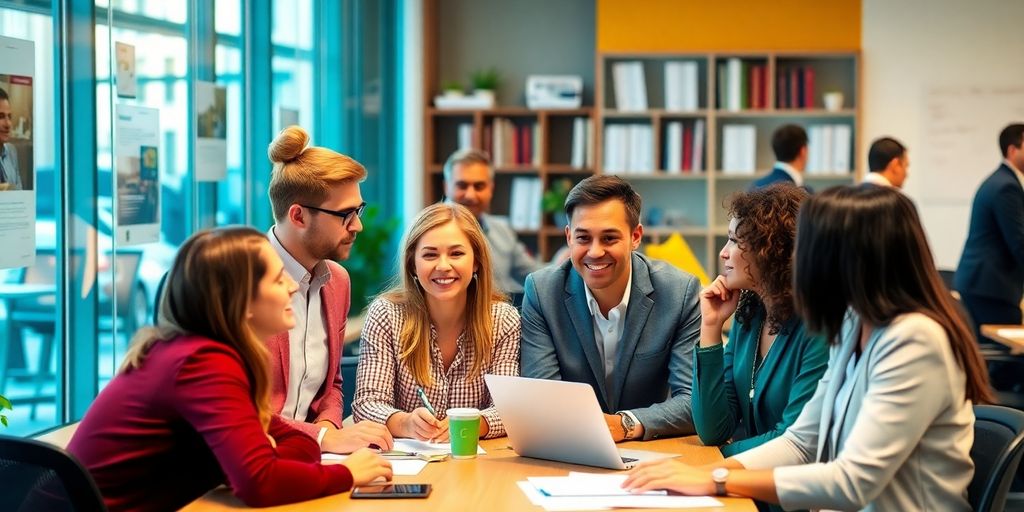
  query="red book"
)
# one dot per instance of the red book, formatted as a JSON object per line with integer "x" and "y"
{"x": 794, "y": 86}
{"x": 527, "y": 144}
{"x": 687, "y": 147}
{"x": 781, "y": 88}
{"x": 752, "y": 98}
{"x": 808, "y": 98}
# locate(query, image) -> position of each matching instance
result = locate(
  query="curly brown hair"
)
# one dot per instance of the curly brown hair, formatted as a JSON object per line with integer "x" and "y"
{"x": 766, "y": 232}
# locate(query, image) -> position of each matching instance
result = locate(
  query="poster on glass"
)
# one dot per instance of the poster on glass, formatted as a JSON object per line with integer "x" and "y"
{"x": 211, "y": 132}
{"x": 17, "y": 169}
{"x": 137, "y": 167}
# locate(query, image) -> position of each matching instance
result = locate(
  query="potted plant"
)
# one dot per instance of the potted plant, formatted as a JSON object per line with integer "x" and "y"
{"x": 553, "y": 201}
{"x": 452, "y": 88}
{"x": 4, "y": 404}
{"x": 369, "y": 263}
{"x": 485, "y": 83}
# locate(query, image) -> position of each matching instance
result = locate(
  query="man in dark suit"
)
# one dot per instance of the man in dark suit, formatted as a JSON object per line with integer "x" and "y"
{"x": 789, "y": 142}
{"x": 612, "y": 318}
{"x": 888, "y": 163}
{"x": 990, "y": 277}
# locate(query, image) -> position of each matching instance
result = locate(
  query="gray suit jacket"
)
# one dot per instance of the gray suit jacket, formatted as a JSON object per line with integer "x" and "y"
{"x": 653, "y": 373}
{"x": 509, "y": 257}
{"x": 905, "y": 430}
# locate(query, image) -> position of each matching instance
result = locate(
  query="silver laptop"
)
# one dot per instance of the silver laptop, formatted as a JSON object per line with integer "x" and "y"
{"x": 561, "y": 421}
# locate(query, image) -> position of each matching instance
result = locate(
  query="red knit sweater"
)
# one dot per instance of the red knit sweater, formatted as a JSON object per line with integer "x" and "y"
{"x": 160, "y": 436}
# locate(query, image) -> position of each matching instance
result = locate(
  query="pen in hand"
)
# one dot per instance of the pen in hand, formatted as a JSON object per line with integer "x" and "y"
{"x": 426, "y": 403}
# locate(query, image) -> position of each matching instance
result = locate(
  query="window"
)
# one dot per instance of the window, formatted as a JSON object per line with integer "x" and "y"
{"x": 28, "y": 328}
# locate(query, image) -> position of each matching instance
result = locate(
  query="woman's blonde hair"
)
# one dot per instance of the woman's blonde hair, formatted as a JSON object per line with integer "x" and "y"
{"x": 202, "y": 298}
{"x": 304, "y": 174}
{"x": 415, "y": 335}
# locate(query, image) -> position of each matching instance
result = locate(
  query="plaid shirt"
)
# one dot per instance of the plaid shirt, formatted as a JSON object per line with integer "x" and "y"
{"x": 385, "y": 386}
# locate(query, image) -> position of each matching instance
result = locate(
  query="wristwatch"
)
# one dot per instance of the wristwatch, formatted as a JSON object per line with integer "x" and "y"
{"x": 719, "y": 476}
{"x": 628, "y": 426}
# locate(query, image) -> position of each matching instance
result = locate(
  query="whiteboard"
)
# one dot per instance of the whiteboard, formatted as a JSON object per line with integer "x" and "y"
{"x": 960, "y": 135}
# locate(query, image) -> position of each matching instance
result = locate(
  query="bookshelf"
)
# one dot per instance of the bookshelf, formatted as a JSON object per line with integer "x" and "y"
{"x": 538, "y": 144}
{"x": 715, "y": 134}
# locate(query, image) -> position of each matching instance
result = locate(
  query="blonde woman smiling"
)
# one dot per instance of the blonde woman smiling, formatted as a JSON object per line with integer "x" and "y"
{"x": 439, "y": 330}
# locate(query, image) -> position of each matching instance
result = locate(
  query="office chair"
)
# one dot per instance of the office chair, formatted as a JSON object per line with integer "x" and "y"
{"x": 39, "y": 476}
{"x": 998, "y": 445}
{"x": 348, "y": 382}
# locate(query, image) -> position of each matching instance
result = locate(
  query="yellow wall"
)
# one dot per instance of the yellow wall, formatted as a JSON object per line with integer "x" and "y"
{"x": 717, "y": 25}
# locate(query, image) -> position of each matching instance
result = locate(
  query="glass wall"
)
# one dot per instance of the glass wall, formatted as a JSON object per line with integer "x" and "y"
{"x": 30, "y": 349}
{"x": 94, "y": 284}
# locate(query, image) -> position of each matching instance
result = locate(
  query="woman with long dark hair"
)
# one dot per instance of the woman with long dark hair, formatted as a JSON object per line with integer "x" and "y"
{"x": 190, "y": 408}
{"x": 890, "y": 426}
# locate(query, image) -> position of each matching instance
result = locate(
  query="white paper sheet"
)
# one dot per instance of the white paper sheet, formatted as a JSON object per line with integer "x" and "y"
{"x": 562, "y": 503}
{"x": 401, "y": 467}
{"x": 414, "y": 445}
{"x": 584, "y": 484}
{"x": 1011, "y": 332}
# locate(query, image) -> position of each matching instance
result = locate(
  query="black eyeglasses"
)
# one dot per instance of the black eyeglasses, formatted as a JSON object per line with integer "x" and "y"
{"x": 345, "y": 215}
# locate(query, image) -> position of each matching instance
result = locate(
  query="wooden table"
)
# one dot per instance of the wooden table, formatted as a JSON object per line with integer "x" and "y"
{"x": 485, "y": 483}
{"x": 1015, "y": 343}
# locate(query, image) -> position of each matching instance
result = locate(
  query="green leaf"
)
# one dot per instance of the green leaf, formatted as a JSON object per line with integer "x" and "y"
{"x": 5, "y": 403}
{"x": 3, "y": 419}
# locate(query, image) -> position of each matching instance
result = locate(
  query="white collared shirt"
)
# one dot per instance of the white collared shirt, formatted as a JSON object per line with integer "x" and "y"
{"x": 876, "y": 178}
{"x": 608, "y": 331}
{"x": 798, "y": 177}
{"x": 307, "y": 341}
{"x": 1016, "y": 172}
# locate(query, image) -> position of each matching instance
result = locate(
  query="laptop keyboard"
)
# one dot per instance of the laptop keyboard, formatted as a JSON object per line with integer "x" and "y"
{"x": 627, "y": 460}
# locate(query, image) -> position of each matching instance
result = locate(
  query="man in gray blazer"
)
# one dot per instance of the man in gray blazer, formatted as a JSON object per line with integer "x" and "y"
{"x": 469, "y": 181}
{"x": 615, "y": 319}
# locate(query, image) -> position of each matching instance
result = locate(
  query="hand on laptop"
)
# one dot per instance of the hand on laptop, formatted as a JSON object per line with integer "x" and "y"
{"x": 419, "y": 424}
{"x": 359, "y": 435}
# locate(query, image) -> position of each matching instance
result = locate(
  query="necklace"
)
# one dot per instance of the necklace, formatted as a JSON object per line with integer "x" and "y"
{"x": 754, "y": 366}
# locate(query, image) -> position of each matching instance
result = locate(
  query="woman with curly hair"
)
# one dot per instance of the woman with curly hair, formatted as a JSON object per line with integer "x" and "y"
{"x": 755, "y": 386}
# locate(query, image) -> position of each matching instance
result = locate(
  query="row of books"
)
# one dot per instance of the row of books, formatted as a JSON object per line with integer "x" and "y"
{"x": 739, "y": 149}
{"x": 829, "y": 148}
{"x": 795, "y": 87}
{"x": 524, "y": 203}
{"x": 742, "y": 85}
{"x": 510, "y": 143}
{"x": 684, "y": 147}
{"x": 682, "y": 86}
{"x": 582, "y": 143}
{"x": 630, "y": 86}
{"x": 628, "y": 149}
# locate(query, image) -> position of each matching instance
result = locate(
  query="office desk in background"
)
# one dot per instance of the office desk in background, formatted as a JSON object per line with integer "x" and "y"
{"x": 1010, "y": 335}
{"x": 487, "y": 482}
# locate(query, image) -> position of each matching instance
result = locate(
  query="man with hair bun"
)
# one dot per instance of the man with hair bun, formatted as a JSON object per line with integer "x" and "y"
{"x": 315, "y": 196}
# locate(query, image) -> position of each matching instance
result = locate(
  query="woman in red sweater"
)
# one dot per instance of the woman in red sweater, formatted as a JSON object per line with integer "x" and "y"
{"x": 189, "y": 409}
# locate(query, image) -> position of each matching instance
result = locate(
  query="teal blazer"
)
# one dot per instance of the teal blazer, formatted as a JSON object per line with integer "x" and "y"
{"x": 785, "y": 382}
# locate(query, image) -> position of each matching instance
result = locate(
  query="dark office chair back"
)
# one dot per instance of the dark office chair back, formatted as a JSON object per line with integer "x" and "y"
{"x": 998, "y": 445}
{"x": 39, "y": 476}
{"x": 348, "y": 382}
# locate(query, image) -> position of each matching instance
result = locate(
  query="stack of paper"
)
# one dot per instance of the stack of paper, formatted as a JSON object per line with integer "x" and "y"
{"x": 588, "y": 491}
